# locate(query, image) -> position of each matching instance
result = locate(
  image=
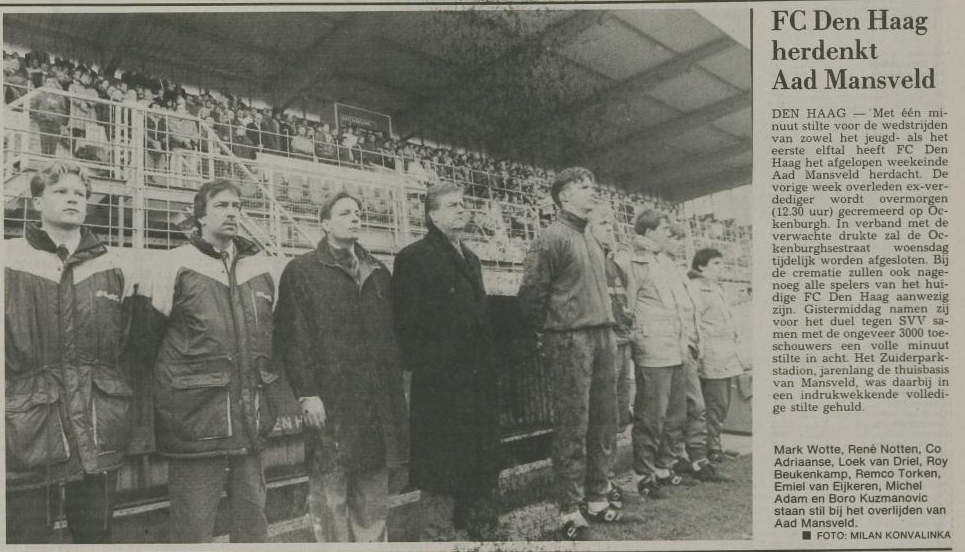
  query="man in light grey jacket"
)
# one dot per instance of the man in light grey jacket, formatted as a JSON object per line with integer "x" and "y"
{"x": 665, "y": 350}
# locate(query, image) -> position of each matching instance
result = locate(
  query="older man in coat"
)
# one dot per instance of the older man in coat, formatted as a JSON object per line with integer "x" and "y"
{"x": 443, "y": 325}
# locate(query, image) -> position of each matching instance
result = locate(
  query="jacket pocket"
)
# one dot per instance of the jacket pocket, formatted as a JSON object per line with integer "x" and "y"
{"x": 196, "y": 405}
{"x": 111, "y": 403}
{"x": 660, "y": 326}
{"x": 34, "y": 430}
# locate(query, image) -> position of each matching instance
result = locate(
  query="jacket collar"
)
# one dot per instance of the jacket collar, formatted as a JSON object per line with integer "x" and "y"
{"x": 243, "y": 247}
{"x": 367, "y": 263}
{"x": 436, "y": 234}
{"x": 463, "y": 259}
{"x": 571, "y": 220}
{"x": 643, "y": 244}
{"x": 90, "y": 245}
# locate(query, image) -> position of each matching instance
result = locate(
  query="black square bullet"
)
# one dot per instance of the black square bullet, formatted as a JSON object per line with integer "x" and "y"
{"x": 806, "y": 535}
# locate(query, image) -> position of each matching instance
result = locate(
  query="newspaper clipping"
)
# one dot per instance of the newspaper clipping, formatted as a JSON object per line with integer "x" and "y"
{"x": 483, "y": 275}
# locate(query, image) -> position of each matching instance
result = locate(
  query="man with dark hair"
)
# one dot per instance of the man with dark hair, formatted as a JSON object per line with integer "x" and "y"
{"x": 442, "y": 318}
{"x": 665, "y": 347}
{"x": 70, "y": 418}
{"x": 214, "y": 375}
{"x": 564, "y": 296}
{"x": 336, "y": 337}
{"x": 720, "y": 361}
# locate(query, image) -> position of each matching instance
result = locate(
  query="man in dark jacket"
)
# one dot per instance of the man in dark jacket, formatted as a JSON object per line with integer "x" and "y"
{"x": 335, "y": 334}
{"x": 69, "y": 394}
{"x": 212, "y": 306}
{"x": 442, "y": 319}
{"x": 564, "y": 295}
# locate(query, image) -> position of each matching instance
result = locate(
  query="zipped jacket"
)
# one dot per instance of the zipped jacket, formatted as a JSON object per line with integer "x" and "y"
{"x": 564, "y": 283}
{"x": 665, "y": 329}
{"x": 719, "y": 343}
{"x": 213, "y": 319}
{"x": 69, "y": 395}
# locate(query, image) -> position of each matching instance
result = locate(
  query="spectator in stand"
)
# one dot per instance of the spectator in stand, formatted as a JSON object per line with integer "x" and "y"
{"x": 35, "y": 74}
{"x": 102, "y": 109}
{"x": 253, "y": 130}
{"x": 14, "y": 78}
{"x": 184, "y": 138}
{"x": 325, "y": 148}
{"x": 377, "y": 159}
{"x": 81, "y": 111}
{"x": 240, "y": 145}
{"x": 170, "y": 94}
{"x": 156, "y": 143}
{"x": 387, "y": 151}
{"x": 302, "y": 146}
{"x": 286, "y": 130}
{"x": 50, "y": 116}
{"x": 270, "y": 130}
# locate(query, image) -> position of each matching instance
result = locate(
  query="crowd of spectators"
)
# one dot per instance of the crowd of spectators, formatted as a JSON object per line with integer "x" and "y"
{"x": 509, "y": 197}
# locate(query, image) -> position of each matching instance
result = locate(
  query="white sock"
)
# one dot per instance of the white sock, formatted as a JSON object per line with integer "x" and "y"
{"x": 596, "y": 507}
{"x": 661, "y": 473}
{"x": 638, "y": 477}
{"x": 576, "y": 517}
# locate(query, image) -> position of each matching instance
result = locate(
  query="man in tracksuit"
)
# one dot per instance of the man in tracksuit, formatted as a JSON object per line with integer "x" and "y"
{"x": 564, "y": 295}
{"x": 69, "y": 393}
{"x": 212, "y": 302}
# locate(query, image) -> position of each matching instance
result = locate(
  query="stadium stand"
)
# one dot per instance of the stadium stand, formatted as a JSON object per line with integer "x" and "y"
{"x": 509, "y": 199}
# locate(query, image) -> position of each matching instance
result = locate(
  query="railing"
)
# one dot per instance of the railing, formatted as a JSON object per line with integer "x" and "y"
{"x": 149, "y": 162}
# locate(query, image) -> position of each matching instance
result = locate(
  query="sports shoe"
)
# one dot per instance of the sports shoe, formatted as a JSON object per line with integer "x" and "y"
{"x": 650, "y": 486}
{"x": 606, "y": 515}
{"x": 708, "y": 472}
{"x": 615, "y": 496}
{"x": 715, "y": 456}
{"x": 681, "y": 474}
{"x": 575, "y": 531}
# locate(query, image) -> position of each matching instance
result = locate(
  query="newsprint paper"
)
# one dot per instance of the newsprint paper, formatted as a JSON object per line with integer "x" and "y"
{"x": 830, "y": 131}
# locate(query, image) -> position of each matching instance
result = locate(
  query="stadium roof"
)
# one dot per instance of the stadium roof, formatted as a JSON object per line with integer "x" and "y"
{"x": 649, "y": 99}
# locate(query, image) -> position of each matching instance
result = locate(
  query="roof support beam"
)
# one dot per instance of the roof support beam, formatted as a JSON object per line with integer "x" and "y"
{"x": 702, "y": 163}
{"x": 713, "y": 183}
{"x": 324, "y": 56}
{"x": 676, "y": 126}
{"x": 644, "y": 80}
{"x": 554, "y": 36}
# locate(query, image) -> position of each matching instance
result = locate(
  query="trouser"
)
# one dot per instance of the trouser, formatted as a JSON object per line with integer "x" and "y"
{"x": 583, "y": 390}
{"x": 625, "y": 391}
{"x": 194, "y": 487}
{"x": 457, "y": 518}
{"x": 717, "y": 397}
{"x": 49, "y": 136}
{"x": 658, "y": 389}
{"x": 348, "y": 506}
{"x": 687, "y": 417}
{"x": 87, "y": 504}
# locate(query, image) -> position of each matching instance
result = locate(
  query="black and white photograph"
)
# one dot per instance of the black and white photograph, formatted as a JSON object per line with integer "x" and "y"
{"x": 467, "y": 273}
